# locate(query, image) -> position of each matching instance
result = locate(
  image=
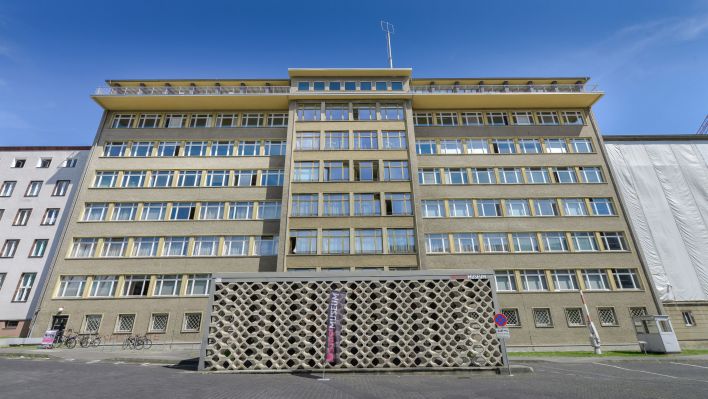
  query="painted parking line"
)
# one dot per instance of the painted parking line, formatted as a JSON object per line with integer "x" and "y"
{"x": 688, "y": 364}
{"x": 92, "y": 361}
{"x": 638, "y": 371}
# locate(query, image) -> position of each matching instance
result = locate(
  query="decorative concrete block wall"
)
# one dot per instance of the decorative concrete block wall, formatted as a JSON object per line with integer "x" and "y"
{"x": 396, "y": 320}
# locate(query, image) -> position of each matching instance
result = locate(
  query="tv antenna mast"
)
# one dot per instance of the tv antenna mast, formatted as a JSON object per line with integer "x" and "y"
{"x": 389, "y": 29}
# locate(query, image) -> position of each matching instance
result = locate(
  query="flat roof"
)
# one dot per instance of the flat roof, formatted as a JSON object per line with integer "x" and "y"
{"x": 344, "y": 72}
{"x": 654, "y": 137}
{"x": 45, "y": 148}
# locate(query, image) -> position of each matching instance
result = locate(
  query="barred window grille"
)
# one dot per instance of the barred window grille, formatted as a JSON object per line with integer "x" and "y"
{"x": 125, "y": 323}
{"x": 607, "y": 316}
{"x": 92, "y": 323}
{"x": 638, "y": 311}
{"x": 512, "y": 317}
{"x": 574, "y": 317}
{"x": 192, "y": 321}
{"x": 158, "y": 323}
{"x": 542, "y": 317}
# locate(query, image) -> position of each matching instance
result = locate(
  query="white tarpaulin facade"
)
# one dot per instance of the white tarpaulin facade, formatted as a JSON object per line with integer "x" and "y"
{"x": 664, "y": 186}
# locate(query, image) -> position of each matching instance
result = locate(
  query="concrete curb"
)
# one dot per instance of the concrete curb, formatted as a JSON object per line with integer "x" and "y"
{"x": 28, "y": 355}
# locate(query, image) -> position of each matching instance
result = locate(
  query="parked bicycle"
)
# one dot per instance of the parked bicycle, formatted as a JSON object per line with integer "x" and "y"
{"x": 67, "y": 339}
{"x": 137, "y": 342}
{"x": 90, "y": 340}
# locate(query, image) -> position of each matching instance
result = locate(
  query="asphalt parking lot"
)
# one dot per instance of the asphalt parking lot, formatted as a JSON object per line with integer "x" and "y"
{"x": 61, "y": 378}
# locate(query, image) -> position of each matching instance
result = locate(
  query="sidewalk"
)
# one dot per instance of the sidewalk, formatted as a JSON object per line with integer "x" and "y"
{"x": 592, "y": 359}
{"x": 156, "y": 354}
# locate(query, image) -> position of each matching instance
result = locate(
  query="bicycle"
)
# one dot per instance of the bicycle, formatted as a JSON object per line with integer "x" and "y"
{"x": 68, "y": 340}
{"x": 147, "y": 342}
{"x": 134, "y": 342}
{"x": 90, "y": 340}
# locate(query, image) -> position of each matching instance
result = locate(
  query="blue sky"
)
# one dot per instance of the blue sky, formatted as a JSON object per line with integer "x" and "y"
{"x": 650, "y": 57}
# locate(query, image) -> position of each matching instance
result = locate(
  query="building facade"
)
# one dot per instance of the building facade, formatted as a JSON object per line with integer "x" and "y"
{"x": 37, "y": 186}
{"x": 664, "y": 183}
{"x": 341, "y": 170}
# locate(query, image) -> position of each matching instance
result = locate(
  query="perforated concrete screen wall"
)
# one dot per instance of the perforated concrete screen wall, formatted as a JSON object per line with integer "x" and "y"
{"x": 392, "y": 320}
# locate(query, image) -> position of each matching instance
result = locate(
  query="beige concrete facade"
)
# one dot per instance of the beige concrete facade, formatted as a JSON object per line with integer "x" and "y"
{"x": 543, "y": 316}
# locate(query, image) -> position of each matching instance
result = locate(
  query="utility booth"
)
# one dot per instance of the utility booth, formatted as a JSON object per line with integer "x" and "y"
{"x": 656, "y": 334}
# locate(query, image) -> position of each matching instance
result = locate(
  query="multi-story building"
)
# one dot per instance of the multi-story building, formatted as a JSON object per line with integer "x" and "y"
{"x": 348, "y": 169}
{"x": 37, "y": 186}
{"x": 663, "y": 180}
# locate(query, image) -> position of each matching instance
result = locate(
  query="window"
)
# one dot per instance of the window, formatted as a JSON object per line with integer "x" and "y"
{"x": 337, "y": 112}
{"x": 595, "y": 279}
{"x": 154, "y": 211}
{"x": 304, "y": 205}
{"x": 167, "y": 285}
{"x": 349, "y": 86}
{"x": 366, "y": 171}
{"x": 7, "y": 188}
{"x": 396, "y": 170}
{"x": 160, "y": 178}
{"x": 525, "y": 242}
{"x": 429, "y": 176}
{"x": 688, "y": 318}
{"x": 125, "y": 323}
{"x": 456, "y": 176}
{"x": 398, "y": 204}
{"x": 446, "y": 118}
{"x": 556, "y": 146}
{"x": 200, "y": 120}
{"x": 637, "y": 311}
{"x": 366, "y": 140}
{"x": 483, "y": 176}
{"x": 505, "y": 281}
{"x": 183, "y": 211}
{"x": 530, "y": 146}
{"x": 574, "y": 317}
{"x": 545, "y": 207}
{"x": 534, "y": 280}
{"x": 133, "y": 179}
{"x": 425, "y": 147}
{"x": 248, "y": 148}
{"x": 472, "y": 118}
{"x": 198, "y": 284}
{"x": 39, "y": 246}
{"x": 401, "y": 241}
{"x": 217, "y": 178}
{"x": 303, "y": 86}
{"x": 242, "y": 210}
{"x": 222, "y": 149}
{"x": 584, "y": 242}
{"x": 71, "y": 286}
{"x": 44, "y": 163}
{"x": 272, "y": 177}
{"x": 574, "y": 207}
{"x": 547, "y": 118}
{"x": 307, "y": 141}
{"x": 136, "y": 285}
{"x": 226, "y": 120}
{"x": 591, "y": 174}
{"x": 149, "y": 121}
{"x": 175, "y": 121}
{"x": 554, "y": 242}
{"x": 274, "y": 147}
{"x": 503, "y": 146}
{"x": 24, "y": 288}
{"x": 9, "y": 248}
{"x": 336, "y": 171}
{"x": 122, "y": 121}
{"x": 50, "y": 217}
{"x": 394, "y": 140}
{"x": 364, "y": 112}
{"x": 335, "y": 141}
{"x": 195, "y": 148}
{"x": 303, "y": 242}
{"x": 236, "y": 246}
{"x": 192, "y": 322}
{"x": 114, "y": 247}
{"x": 602, "y": 207}
{"x": 465, "y": 242}
{"x": 497, "y": 118}
{"x": 510, "y": 176}
{"x": 367, "y": 205}
{"x": 307, "y": 171}
{"x": 168, "y": 149}
{"x": 495, "y": 242}
{"x": 334, "y": 205}
{"x": 626, "y": 279}
{"x": 564, "y": 175}
{"x": 368, "y": 241}
{"x": 22, "y": 217}
{"x": 2, "y": 279}
{"x": 542, "y": 318}
{"x": 69, "y": 163}
{"x": 335, "y": 241}
{"x": 381, "y": 86}
{"x": 270, "y": 210}
{"x": 488, "y": 208}
{"x": 124, "y": 211}
{"x": 517, "y": 207}
{"x": 512, "y": 317}
{"x": 396, "y": 86}
{"x": 141, "y": 149}
{"x": 92, "y": 323}
{"x": 103, "y": 286}
{"x": 252, "y": 120}
{"x": 308, "y": 112}
{"x": 60, "y": 188}
{"x": 189, "y": 178}
{"x": 449, "y": 147}
{"x": 613, "y": 241}
{"x": 423, "y": 118}
{"x": 565, "y": 280}
{"x": 211, "y": 211}
{"x": 391, "y": 112}
{"x": 33, "y": 188}
{"x": 522, "y": 118}
{"x": 573, "y": 118}
{"x": 245, "y": 178}
{"x": 607, "y": 316}
{"x": 365, "y": 86}
{"x": 18, "y": 163}
{"x": 319, "y": 86}
{"x": 145, "y": 246}
{"x": 582, "y": 146}
{"x": 266, "y": 246}
{"x": 84, "y": 247}
{"x": 158, "y": 322}
{"x": 335, "y": 86}
{"x": 460, "y": 208}
{"x": 433, "y": 208}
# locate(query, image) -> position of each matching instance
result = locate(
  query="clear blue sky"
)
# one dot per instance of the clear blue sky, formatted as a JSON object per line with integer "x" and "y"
{"x": 650, "y": 57}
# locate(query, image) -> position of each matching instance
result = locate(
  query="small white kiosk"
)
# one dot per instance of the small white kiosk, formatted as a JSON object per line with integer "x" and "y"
{"x": 656, "y": 334}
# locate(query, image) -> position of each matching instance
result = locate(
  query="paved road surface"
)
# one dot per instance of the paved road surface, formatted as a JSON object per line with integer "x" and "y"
{"x": 55, "y": 378}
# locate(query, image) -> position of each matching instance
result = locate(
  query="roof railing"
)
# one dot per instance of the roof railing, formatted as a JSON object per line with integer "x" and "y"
{"x": 189, "y": 90}
{"x": 495, "y": 89}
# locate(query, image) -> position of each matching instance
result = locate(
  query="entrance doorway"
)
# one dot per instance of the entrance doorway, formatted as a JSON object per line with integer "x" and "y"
{"x": 59, "y": 323}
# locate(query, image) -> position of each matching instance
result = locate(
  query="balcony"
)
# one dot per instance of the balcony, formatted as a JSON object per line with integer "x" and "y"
{"x": 495, "y": 89}
{"x": 191, "y": 90}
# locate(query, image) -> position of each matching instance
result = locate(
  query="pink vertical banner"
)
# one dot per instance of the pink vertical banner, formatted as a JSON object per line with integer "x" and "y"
{"x": 335, "y": 316}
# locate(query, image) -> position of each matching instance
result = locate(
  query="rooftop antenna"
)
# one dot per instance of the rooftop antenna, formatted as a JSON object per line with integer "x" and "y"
{"x": 389, "y": 29}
